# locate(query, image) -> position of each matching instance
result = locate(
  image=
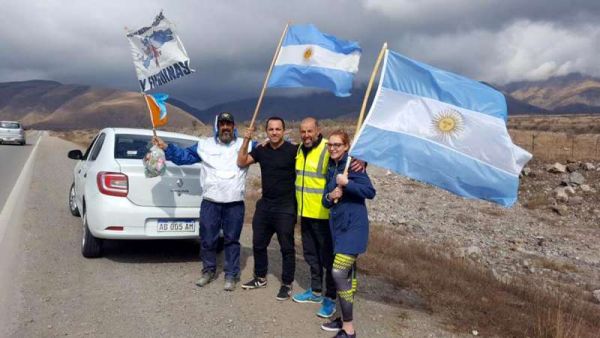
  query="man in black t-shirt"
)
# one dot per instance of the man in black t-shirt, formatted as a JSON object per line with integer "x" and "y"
{"x": 276, "y": 210}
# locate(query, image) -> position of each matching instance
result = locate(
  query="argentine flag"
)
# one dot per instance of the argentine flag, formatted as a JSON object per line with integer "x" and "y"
{"x": 309, "y": 58}
{"x": 443, "y": 129}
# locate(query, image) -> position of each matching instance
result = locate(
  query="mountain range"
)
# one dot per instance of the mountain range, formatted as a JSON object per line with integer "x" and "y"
{"x": 573, "y": 93}
{"x": 52, "y": 105}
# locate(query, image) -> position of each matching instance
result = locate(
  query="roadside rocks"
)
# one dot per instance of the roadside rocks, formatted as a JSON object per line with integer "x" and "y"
{"x": 540, "y": 242}
{"x": 573, "y": 189}
{"x": 588, "y": 166}
{"x": 560, "y": 195}
{"x": 556, "y": 168}
{"x": 560, "y": 209}
{"x": 576, "y": 178}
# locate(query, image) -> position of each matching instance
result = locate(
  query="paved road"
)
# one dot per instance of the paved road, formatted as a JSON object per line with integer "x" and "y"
{"x": 146, "y": 288}
{"x": 12, "y": 159}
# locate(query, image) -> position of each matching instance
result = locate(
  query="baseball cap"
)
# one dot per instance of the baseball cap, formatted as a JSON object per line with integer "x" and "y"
{"x": 225, "y": 117}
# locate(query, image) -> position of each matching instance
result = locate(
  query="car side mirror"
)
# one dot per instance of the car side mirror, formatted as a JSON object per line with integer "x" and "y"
{"x": 75, "y": 154}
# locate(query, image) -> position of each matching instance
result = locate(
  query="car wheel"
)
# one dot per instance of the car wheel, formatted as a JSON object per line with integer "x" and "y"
{"x": 73, "y": 201}
{"x": 91, "y": 247}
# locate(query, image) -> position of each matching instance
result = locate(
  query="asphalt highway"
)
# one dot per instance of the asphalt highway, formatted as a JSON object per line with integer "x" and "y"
{"x": 12, "y": 159}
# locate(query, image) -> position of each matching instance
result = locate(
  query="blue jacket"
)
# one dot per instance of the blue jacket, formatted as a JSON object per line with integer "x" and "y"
{"x": 348, "y": 219}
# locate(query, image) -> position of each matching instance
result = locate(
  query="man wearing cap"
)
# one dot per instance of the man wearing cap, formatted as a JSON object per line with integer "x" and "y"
{"x": 223, "y": 185}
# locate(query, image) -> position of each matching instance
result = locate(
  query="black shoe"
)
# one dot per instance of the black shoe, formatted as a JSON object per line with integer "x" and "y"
{"x": 255, "y": 283}
{"x": 285, "y": 291}
{"x": 333, "y": 326}
{"x": 343, "y": 334}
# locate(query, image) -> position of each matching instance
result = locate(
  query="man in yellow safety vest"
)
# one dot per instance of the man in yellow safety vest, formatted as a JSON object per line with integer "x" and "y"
{"x": 311, "y": 166}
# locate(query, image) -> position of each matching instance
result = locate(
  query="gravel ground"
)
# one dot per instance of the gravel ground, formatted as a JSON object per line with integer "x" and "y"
{"x": 530, "y": 239}
{"x": 146, "y": 288}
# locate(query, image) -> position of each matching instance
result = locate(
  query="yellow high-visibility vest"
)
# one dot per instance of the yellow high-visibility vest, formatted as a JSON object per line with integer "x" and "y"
{"x": 310, "y": 181}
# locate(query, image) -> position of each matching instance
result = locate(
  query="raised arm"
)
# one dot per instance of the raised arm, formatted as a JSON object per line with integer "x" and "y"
{"x": 244, "y": 159}
{"x": 176, "y": 154}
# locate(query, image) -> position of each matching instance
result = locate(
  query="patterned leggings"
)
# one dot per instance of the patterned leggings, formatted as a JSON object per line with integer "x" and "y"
{"x": 344, "y": 275}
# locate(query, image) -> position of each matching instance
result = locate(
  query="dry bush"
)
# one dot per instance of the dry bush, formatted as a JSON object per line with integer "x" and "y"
{"x": 82, "y": 138}
{"x": 470, "y": 297}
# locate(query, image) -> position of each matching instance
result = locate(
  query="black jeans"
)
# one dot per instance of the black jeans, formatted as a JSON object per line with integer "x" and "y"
{"x": 317, "y": 245}
{"x": 264, "y": 225}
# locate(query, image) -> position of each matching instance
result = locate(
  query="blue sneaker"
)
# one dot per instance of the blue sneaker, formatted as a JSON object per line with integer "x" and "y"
{"x": 327, "y": 308}
{"x": 307, "y": 297}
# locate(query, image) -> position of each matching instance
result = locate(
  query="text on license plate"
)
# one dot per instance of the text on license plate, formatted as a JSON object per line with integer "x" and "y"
{"x": 179, "y": 225}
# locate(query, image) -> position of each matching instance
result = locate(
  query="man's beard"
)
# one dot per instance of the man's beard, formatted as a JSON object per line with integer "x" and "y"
{"x": 226, "y": 136}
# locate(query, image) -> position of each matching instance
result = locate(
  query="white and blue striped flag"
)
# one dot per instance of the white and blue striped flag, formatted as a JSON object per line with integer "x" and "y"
{"x": 309, "y": 58}
{"x": 442, "y": 129}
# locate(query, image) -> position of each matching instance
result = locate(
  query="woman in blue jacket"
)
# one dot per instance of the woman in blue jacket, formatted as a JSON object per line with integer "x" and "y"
{"x": 345, "y": 197}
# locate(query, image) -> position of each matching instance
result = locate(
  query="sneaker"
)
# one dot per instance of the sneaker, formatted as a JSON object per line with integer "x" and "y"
{"x": 285, "y": 291}
{"x": 206, "y": 278}
{"x": 327, "y": 308}
{"x": 255, "y": 283}
{"x": 307, "y": 296}
{"x": 229, "y": 284}
{"x": 344, "y": 334}
{"x": 333, "y": 326}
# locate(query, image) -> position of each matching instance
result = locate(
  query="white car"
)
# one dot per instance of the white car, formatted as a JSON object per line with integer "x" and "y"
{"x": 12, "y": 132}
{"x": 117, "y": 201}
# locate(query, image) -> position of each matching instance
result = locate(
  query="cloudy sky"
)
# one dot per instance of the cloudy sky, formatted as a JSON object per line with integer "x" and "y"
{"x": 231, "y": 43}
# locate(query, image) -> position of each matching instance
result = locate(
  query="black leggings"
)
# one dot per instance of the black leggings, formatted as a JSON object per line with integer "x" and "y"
{"x": 344, "y": 275}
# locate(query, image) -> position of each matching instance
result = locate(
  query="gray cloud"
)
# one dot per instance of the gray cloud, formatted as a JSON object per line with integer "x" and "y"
{"x": 231, "y": 43}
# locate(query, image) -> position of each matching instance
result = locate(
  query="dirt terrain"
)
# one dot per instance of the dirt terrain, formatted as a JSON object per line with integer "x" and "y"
{"x": 549, "y": 239}
{"x": 146, "y": 289}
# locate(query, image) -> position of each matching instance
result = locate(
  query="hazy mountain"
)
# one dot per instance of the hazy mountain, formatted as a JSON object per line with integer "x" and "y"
{"x": 572, "y": 93}
{"x": 321, "y": 105}
{"x": 52, "y": 105}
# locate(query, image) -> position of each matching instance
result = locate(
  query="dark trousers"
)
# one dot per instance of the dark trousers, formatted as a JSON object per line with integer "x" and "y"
{"x": 216, "y": 216}
{"x": 264, "y": 225}
{"x": 317, "y": 245}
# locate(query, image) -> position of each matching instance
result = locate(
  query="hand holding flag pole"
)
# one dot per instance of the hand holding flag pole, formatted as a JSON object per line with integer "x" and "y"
{"x": 363, "y": 108}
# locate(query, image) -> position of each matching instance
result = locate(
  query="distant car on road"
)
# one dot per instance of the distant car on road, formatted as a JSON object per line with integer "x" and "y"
{"x": 11, "y": 132}
{"x": 117, "y": 201}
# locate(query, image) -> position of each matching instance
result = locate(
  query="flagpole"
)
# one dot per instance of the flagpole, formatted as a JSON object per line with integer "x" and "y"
{"x": 363, "y": 108}
{"x": 144, "y": 95}
{"x": 149, "y": 111}
{"x": 264, "y": 87}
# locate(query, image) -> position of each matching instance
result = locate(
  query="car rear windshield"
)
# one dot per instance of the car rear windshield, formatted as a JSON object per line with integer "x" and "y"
{"x": 10, "y": 125}
{"x": 136, "y": 146}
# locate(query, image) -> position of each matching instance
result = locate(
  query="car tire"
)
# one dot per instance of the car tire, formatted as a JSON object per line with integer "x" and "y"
{"x": 73, "y": 201}
{"x": 91, "y": 247}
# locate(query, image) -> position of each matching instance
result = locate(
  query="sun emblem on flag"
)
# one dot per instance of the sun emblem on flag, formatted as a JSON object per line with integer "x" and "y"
{"x": 448, "y": 124}
{"x": 307, "y": 54}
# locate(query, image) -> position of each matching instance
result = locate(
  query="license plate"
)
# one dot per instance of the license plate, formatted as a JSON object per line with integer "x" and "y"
{"x": 178, "y": 225}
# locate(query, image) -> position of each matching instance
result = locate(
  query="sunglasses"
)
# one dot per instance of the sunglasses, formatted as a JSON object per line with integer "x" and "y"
{"x": 335, "y": 145}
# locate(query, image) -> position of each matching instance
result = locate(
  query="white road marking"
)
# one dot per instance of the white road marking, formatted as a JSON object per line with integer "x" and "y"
{"x": 17, "y": 191}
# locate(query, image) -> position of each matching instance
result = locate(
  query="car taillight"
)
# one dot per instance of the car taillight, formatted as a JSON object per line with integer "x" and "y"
{"x": 113, "y": 184}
